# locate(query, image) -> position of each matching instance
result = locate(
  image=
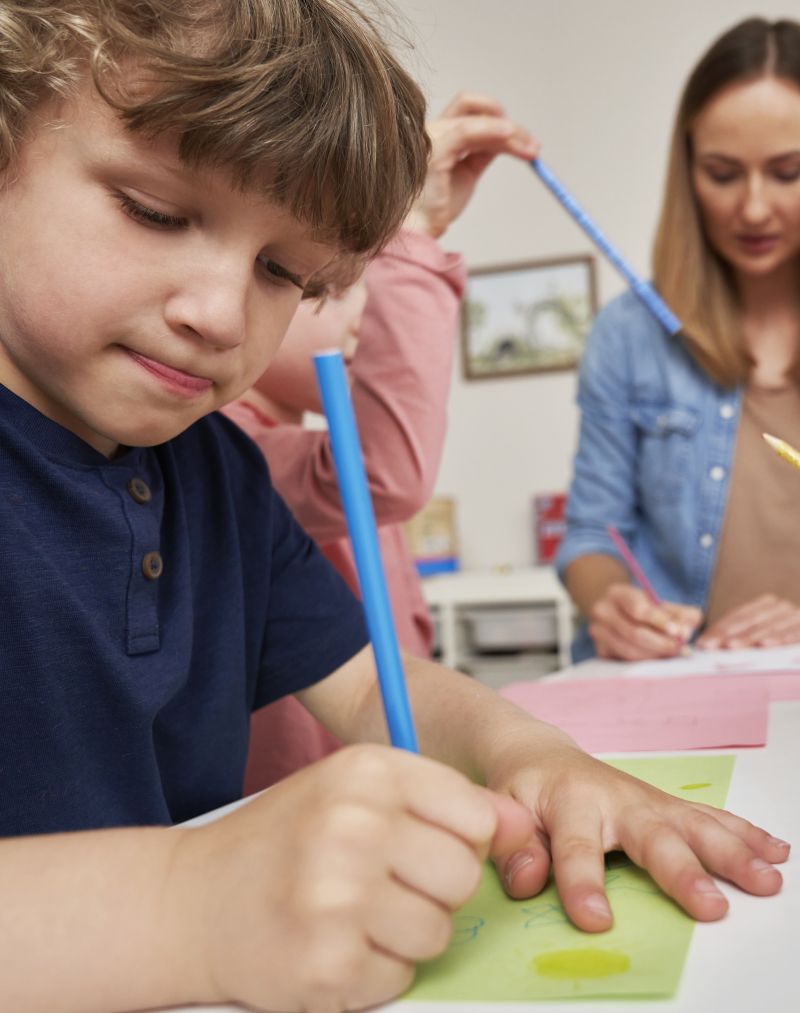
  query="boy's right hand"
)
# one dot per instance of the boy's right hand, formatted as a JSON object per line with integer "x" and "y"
{"x": 323, "y": 893}
{"x": 624, "y": 624}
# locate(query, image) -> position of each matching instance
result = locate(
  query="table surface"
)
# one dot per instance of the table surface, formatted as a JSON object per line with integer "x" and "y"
{"x": 746, "y": 961}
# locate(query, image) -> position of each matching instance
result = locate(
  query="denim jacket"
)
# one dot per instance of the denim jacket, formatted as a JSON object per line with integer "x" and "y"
{"x": 654, "y": 456}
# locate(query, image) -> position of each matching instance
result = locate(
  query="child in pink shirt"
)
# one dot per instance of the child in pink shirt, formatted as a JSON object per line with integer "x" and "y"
{"x": 401, "y": 319}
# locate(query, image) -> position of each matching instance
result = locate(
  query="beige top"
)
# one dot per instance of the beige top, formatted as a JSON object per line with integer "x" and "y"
{"x": 759, "y": 549}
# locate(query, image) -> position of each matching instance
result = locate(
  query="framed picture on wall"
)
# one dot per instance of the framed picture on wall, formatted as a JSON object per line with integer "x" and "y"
{"x": 530, "y": 317}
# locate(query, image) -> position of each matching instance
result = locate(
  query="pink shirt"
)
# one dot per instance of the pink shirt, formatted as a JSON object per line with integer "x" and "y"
{"x": 400, "y": 377}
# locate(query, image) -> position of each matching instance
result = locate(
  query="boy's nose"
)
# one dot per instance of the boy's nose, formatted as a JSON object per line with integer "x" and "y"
{"x": 212, "y": 307}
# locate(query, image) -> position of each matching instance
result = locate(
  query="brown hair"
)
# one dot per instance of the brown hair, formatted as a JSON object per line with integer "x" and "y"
{"x": 299, "y": 98}
{"x": 690, "y": 275}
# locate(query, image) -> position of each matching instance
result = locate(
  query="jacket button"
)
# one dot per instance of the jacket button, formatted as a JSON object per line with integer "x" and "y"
{"x": 152, "y": 565}
{"x": 139, "y": 490}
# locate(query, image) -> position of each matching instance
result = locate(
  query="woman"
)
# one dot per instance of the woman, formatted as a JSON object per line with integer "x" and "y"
{"x": 670, "y": 448}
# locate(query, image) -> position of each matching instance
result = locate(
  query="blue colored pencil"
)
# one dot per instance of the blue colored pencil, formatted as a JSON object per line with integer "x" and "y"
{"x": 642, "y": 288}
{"x": 360, "y": 517}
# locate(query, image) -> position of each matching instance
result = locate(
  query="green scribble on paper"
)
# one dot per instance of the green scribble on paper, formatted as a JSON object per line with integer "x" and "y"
{"x": 527, "y": 950}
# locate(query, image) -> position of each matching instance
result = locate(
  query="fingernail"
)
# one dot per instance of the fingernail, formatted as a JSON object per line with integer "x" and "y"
{"x": 514, "y": 866}
{"x": 597, "y": 904}
{"x": 673, "y": 629}
{"x": 759, "y": 865}
{"x": 707, "y": 887}
{"x": 778, "y": 843}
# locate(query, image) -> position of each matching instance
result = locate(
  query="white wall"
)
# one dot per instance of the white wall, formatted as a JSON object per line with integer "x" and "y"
{"x": 597, "y": 82}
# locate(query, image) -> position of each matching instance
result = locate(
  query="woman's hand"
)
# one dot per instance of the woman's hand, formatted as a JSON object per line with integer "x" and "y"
{"x": 624, "y": 624}
{"x": 766, "y": 621}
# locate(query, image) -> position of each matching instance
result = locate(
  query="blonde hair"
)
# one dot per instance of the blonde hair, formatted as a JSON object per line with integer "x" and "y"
{"x": 300, "y": 99}
{"x": 693, "y": 279}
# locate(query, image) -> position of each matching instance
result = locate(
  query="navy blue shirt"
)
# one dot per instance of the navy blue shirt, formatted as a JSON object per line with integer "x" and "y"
{"x": 148, "y": 603}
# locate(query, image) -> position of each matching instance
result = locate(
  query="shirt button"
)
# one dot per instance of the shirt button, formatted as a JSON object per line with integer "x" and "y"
{"x": 139, "y": 490}
{"x": 706, "y": 540}
{"x": 726, "y": 411}
{"x": 717, "y": 473}
{"x": 152, "y": 565}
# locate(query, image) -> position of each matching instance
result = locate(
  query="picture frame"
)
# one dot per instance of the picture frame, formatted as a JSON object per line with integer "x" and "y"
{"x": 527, "y": 317}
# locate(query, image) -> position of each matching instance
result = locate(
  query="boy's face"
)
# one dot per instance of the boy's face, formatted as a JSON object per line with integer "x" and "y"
{"x": 137, "y": 295}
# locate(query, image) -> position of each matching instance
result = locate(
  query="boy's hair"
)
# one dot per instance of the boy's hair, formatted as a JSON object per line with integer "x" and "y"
{"x": 300, "y": 99}
{"x": 688, "y": 272}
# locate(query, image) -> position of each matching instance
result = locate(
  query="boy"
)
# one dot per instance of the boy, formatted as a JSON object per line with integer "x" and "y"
{"x": 175, "y": 178}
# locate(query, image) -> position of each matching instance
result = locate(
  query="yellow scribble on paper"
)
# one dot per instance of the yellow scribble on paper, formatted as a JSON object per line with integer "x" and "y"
{"x": 694, "y": 787}
{"x": 587, "y": 963}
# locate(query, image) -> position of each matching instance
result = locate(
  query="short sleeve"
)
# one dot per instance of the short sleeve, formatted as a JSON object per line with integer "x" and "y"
{"x": 314, "y": 622}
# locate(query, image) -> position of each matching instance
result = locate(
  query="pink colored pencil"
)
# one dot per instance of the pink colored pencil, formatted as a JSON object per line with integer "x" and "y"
{"x": 630, "y": 561}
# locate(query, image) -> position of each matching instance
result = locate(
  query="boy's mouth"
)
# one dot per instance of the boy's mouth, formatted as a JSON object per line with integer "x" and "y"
{"x": 176, "y": 379}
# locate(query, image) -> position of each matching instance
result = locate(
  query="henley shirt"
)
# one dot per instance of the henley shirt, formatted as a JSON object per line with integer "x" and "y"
{"x": 149, "y": 603}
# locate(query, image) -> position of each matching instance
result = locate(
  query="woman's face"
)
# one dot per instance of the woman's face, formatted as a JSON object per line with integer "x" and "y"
{"x": 746, "y": 174}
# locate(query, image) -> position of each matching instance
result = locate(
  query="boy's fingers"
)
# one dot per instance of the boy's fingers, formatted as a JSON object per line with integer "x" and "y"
{"x": 515, "y": 825}
{"x": 445, "y": 798}
{"x": 521, "y": 856}
{"x": 579, "y": 867}
{"x": 525, "y": 872}
{"x": 407, "y": 925}
{"x": 659, "y": 849}
{"x": 434, "y": 863}
{"x": 427, "y": 789}
{"x": 773, "y": 849}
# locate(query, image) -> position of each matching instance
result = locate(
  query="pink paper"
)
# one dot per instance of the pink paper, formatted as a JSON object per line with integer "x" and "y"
{"x": 778, "y": 685}
{"x": 626, "y": 714}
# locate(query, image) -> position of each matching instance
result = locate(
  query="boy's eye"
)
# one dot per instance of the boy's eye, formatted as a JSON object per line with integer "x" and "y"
{"x": 147, "y": 216}
{"x": 279, "y": 274}
{"x": 787, "y": 175}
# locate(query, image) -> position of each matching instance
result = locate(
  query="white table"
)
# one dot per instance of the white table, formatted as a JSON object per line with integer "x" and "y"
{"x": 745, "y": 963}
{"x": 533, "y": 585}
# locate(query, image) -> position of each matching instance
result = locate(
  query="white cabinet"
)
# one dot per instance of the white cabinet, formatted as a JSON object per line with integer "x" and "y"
{"x": 520, "y": 602}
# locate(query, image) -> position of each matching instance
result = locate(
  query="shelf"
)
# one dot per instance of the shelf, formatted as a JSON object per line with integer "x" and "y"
{"x": 454, "y": 598}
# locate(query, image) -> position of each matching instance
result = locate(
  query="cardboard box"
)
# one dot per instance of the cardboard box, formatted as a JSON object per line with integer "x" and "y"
{"x": 431, "y": 537}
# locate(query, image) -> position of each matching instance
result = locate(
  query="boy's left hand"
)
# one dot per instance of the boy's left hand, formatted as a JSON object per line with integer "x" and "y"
{"x": 583, "y": 808}
{"x": 469, "y": 134}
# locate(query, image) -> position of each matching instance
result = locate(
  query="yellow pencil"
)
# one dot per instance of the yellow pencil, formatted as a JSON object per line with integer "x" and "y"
{"x": 783, "y": 449}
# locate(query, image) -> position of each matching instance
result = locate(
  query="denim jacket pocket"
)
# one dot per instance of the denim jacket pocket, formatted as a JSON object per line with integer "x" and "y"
{"x": 665, "y": 434}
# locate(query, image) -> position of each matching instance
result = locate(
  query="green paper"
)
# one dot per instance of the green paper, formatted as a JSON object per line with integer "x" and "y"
{"x": 526, "y": 950}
